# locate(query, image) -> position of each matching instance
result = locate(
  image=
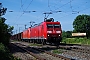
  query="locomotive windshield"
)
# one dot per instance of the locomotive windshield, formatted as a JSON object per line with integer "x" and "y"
{"x": 49, "y": 26}
{"x": 53, "y": 26}
{"x": 56, "y": 26}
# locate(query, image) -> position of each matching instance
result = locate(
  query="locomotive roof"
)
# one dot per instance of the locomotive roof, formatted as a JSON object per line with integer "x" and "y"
{"x": 46, "y": 22}
{"x": 49, "y": 21}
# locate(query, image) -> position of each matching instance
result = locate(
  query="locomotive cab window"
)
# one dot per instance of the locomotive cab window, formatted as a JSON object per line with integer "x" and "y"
{"x": 49, "y": 26}
{"x": 57, "y": 26}
{"x": 53, "y": 26}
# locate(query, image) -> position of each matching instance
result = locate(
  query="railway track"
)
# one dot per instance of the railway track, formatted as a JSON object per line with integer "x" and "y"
{"x": 74, "y": 47}
{"x": 77, "y": 48}
{"x": 78, "y": 52}
{"x": 73, "y": 52}
{"x": 19, "y": 53}
{"x": 40, "y": 54}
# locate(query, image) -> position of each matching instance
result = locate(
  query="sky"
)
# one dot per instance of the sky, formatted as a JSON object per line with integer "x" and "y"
{"x": 26, "y": 11}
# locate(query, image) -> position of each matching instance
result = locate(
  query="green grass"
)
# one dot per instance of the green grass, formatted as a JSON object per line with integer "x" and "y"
{"x": 84, "y": 41}
{"x": 31, "y": 44}
{"x": 14, "y": 40}
{"x": 57, "y": 51}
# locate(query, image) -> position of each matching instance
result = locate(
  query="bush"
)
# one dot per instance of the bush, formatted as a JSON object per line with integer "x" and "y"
{"x": 5, "y": 53}
{"x": 5, "y": 31}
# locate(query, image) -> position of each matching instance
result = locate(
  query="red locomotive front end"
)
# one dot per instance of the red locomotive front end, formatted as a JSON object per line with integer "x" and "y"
{"x": 54, "y": 32}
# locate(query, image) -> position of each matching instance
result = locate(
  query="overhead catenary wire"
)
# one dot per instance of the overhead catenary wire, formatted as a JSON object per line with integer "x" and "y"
{"x": 20, "y": 10}
{"x": 29, "y": 4}
{"x": 71, "y": 7}
{"x": 60, "y": 6}
{"x": 64, "y": 4}
{"x": 22, "y": 4}
{"x": 49, "y": 6}
{"x": 74, "y": 11}
{"x": 24, "y": 10}
{"x": 84, "y": 9}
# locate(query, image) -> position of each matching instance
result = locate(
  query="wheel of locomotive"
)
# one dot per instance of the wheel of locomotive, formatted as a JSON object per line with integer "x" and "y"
{"x": 43, "y": 42}
{"x": 29, "y": 40}
{"x": 57, "y": 43}
{"x": 40, "y": 41}
{"x": 33, "y": 41}
{"x": 37, "y": 40}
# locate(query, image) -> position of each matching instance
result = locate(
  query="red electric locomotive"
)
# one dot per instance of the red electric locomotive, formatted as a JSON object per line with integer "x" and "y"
{"x": 47, "y": 31}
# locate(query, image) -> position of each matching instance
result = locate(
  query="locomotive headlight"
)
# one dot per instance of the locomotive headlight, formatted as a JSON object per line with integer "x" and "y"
{"x": 44, "y": 38}
{"x": 58, "y": 35}
{"x": 58, "y": 31}
{"x": 49, "y": 31}
{"x": 48, "y": 35}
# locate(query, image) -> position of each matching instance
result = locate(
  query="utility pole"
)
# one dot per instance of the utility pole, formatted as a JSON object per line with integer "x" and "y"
{"x": 19, "y": 29}
{"x": 13, "y": 32}
{"x": 25, "y": 26}
{"x": 16, "y": 31}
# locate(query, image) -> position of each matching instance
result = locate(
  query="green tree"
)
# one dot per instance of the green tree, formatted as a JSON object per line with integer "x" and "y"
{"x": 67, "y": 34}
{"x": 2, "y": 10}
{"x": 63, "y": 34}
{"x": 5, "y": 33}
{"x": 82, "y": 24}
{"x": 5, "y": 30}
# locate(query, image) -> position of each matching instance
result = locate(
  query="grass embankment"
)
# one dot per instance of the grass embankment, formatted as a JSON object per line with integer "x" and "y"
{"x": 84, "y": 41}
{"x": 5, "y": 53}
{"x": 32, "y": 44}
{"x": 57, "y": 51}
